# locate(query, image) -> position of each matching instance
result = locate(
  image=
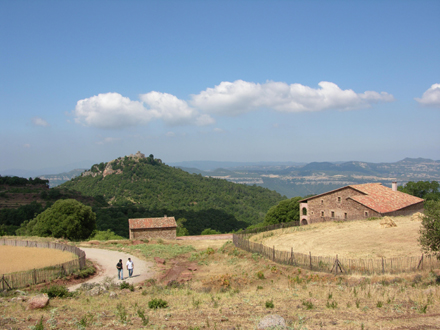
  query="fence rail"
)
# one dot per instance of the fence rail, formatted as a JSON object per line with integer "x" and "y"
{"x": 47, "y": 274}
{"x": 332, "y": 264}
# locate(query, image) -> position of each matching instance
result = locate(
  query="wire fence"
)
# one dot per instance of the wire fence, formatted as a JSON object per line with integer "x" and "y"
{"x": 35, "y": 276}
{"x": 332, "y": 264}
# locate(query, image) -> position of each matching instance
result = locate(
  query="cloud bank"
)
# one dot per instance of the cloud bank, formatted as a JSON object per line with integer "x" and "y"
{"x": 234, "y": 98}
{"x": 431, "y": 98}
{"x": 112, "y": 110}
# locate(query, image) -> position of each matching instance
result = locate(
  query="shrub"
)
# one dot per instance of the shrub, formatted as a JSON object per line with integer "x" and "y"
{"x": 124, "y": 285}
{"x": 260, "y": 275}
{"x": 379, "y": 304}
{"x": 141, "y": 314}
{"x": 333, "y": 304}
{"x": 157, "y": 303}
{"x": 269, "y": 304}
{"x": 308, "y": 304}
{"x": 57, "y": 291}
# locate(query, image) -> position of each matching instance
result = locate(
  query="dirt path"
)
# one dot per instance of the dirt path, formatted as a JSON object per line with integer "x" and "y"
{"x": 107, "y": 261}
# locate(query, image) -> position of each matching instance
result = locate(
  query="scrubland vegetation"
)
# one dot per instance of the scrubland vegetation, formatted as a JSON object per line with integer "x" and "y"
{"x": 233, "y": 288}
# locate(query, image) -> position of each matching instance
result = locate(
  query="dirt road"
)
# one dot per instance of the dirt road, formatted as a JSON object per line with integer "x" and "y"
{"x": 107, "y": 261}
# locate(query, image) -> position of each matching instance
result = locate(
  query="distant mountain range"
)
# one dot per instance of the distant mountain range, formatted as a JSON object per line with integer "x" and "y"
{"x": 295, "y": 178}
{"x": 318, "y": 177}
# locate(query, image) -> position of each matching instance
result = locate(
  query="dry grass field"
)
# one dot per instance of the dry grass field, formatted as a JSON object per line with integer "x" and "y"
{"x": 234, "y": 289}
{"x": 17, "y": 258}
{"x": 355, "y": 239}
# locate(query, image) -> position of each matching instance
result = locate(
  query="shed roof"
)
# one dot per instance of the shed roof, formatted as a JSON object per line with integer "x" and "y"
{"x": 145, "y": 223}
{"x": 377, "y": 197}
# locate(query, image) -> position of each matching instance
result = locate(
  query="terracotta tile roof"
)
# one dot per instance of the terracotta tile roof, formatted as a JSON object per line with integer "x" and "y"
{"x": 383, "y": 199}
{"x": 140, "y": 223}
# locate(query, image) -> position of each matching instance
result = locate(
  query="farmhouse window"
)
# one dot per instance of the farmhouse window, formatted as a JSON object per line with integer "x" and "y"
{"x": 339, "y": 199}
{"x": 333, "y": 214}
{"x": 345, "y": 215}
{"x": 366, "y": 213}
{"x": 322, "y": 213}
{"x": 304, "y": 211}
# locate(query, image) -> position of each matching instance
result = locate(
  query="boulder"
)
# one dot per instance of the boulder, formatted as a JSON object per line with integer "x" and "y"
{"x": 272, "y": 321}
{"x": 113, "y": 295}
{"x": 39, "y": 301}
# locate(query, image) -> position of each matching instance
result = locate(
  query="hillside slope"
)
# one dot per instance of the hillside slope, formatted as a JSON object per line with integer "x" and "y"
{"x": 147, "y": 183}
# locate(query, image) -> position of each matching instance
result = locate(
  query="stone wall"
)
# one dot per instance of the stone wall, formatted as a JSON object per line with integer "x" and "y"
{"x": 337, "y": 205}
{"x": 408, "y": 210}
{"x": 165, "y": 233}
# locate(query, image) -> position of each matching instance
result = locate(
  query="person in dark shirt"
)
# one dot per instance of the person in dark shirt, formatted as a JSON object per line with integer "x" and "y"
{"x": 120, "y": 269}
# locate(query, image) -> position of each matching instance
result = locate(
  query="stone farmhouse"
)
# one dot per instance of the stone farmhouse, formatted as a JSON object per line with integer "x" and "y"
{"x": 356, "y": 202}
{"x": 164, "y": 227}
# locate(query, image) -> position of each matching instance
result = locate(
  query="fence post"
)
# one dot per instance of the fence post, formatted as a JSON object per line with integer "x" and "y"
{"x": 337, "y": 265}
{"x": 35, "y": 276}
{"x": 383, "y": 266}
{"x": 273, "y": 253}
{"x": 291, "y": 255}
{"x": 420, "y": 263}
{"x": 310, "y": 258}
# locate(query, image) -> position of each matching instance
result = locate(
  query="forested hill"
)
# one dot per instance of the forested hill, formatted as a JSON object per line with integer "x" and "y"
{"x": 150, "y": 188}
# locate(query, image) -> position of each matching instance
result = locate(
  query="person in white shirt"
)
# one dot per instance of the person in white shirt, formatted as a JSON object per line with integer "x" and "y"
{"x": 130, "y": 266}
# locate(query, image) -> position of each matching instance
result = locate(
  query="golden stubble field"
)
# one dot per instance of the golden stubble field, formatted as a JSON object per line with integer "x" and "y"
{"x": 234, "y": 289}
{"x": 18, "y": 258}
{"x": 355, "y": 239}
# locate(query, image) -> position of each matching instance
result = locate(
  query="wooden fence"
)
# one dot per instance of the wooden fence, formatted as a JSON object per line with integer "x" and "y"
{"x": 333, "y": 264}
{"x": 21, "y": 279}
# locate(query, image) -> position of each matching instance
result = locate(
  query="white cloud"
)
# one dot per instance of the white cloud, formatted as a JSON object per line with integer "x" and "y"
{"x": 108, "y": 140}
{"x": 234, "y": 98}
{"x": 37, "y": 121}
{"x": 430, "y": 98}
{"x": 26, "y": 145}
{"x": 174, "y": 111}
{"x": 112, "y": 110}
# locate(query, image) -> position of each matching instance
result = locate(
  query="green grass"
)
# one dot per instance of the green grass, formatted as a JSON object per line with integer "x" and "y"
{"x": 163, "y": 251}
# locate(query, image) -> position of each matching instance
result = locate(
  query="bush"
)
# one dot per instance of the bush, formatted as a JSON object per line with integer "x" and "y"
{"x": 57, "y": 291}
{"x": 157, "y": 303}
{"x": 260, "y": 275}
{"x": 105, "y": 236}
{"x": 269, "y": 304}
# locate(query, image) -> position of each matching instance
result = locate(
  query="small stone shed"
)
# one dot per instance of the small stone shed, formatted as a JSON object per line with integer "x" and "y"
{"x": 358, "y": 202}
{"x": 164, "y": 227}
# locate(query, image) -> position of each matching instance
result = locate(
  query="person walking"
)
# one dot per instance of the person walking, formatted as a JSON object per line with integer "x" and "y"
{"x": 120, "y": 269}
{"x": 130, "y": 266}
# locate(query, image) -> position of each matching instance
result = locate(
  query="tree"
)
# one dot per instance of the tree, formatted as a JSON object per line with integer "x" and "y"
{"x": 66, "y": 218}
{"x": 181, "y": 230}
{"x": 428, "y": 190}
{"x": 430, "y": 231}
{"x": 286, "y": 211}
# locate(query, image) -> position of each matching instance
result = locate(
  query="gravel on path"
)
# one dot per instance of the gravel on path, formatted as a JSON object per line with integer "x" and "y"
{"x": 107, "y": 260}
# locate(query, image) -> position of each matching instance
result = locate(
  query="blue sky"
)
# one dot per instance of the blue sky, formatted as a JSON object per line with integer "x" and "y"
{"x": 88, "y": 81}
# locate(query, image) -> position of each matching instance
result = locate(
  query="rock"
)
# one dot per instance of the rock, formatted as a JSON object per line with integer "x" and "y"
{"x": 19, "y": 292}
{"x": 113, "y": 295}
{"x": 96, "y": 291}
{"x": 271, "y": 321}
{"x": 159, "y": 260}
{"x": 39, "y": 301}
